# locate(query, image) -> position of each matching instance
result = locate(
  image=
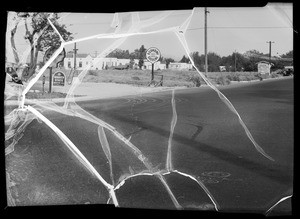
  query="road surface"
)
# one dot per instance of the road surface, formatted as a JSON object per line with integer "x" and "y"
{"x": 208, "y": 143}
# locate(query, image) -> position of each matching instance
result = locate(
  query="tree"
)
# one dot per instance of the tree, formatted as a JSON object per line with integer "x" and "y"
{"x": 131, "y": 63}
{"x": 235, "y": 59}
{"x": 16, "y": 20}
{"x": 214, "y": 61}
{"x": 142, "y": 56}
{"x": 119, "y": 54}
{"x": 287, "y": 55}
{"x": 198, "y": 60}
{"x": 167, "y": 61}
{"x": 40, "y": 35}
{"x": 185, "y": 59}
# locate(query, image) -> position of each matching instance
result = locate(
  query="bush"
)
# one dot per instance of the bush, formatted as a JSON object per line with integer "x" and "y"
{"x": 222, "y": 80}
{"x": 135, "y": 78}
{"x": 93, "y": 72}
{"x": 274, "y": 75}
{"x": 195, "y": 80}
{"x": 262, "y": 76}
{"x": 233, "y": 77}
{"x": 259, "y": 76}
{"x": 247, "y": 78}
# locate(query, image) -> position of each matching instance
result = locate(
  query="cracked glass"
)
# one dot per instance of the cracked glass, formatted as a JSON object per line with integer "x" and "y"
{"x": 201, "y": 148}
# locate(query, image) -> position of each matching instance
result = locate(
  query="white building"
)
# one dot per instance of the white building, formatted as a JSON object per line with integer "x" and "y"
{"x": 84, "y": 60}
{"x": 222, "y": 68}
{"x": 180, "y": 66}
{"x": 157, "y": 65}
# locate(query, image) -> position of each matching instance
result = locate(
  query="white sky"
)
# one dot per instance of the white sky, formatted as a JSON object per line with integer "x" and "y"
{"x": 229, "y": 29}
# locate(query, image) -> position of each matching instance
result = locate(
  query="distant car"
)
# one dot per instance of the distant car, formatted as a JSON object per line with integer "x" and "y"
{"x": 14, "y": 77}
{"x": 286, "y": 72}
{"x": 289, "y": 72}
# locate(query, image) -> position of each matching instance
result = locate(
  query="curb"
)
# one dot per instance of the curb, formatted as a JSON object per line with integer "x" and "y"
{"x": 88, "y": 98}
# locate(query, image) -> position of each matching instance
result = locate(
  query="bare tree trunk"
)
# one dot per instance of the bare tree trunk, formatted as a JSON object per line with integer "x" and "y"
{"x": 27, "y": 73}
{"x": 13, "y": 45}
{"x": 32, "y": 65}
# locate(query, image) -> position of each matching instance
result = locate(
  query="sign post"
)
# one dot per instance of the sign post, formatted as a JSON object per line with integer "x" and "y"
{"x": 44, "y": 78}
{"x": 152, "y": 72}
{"x": 55, "y": 64}
{"x": 50, "y": 79}
{"x": 152, "y": 55}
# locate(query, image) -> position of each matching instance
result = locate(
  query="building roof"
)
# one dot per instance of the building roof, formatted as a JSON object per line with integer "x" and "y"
{"x": 78, "y": 55}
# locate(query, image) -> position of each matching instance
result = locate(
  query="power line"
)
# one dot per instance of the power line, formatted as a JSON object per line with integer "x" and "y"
{"x": 196, "y": 28}
{"x": 90, "y": 23}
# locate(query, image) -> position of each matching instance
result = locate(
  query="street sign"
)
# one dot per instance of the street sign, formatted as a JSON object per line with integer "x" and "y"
{"x": 59, "y": 79}
{"x": 263, "y": 67}
{"x": 152, "y": 54}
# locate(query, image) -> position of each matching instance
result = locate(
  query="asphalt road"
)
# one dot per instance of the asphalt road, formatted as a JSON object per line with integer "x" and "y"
{"x": 208, "y": 144}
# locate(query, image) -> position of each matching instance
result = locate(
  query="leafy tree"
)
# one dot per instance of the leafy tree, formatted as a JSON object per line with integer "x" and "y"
{"x": 198, "y": 60}
{"x": 120, "y": 54}
{"x": 141, "y": 56}
{"x": 40, "y": 35}
{"x": 134, "y": 54}
{"x": 161, "y": 58}
{"x": 185, "y": 59}
{"x": 131, "y": 63}
{"x": 167, "y": 61}
{"x": 213, "y": 61}
{"x": 287, "y": 55}
{"x": 235, "y": 59}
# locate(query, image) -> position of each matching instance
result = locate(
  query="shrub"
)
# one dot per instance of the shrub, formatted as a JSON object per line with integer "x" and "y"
{"x": 233, "y": 77}
{"x": 135, "y": 78}
{"x": 247, "y": 78}
{"x": 93, "y": 72}
{"x": 274, "y": 75}
{"x": 222, "y": 80}
{"x": 259, "y": 76}
{"x": 195, "y": 80}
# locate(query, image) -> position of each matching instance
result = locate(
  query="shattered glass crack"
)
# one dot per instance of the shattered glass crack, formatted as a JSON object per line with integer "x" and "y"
{"x": 125, "y": 159}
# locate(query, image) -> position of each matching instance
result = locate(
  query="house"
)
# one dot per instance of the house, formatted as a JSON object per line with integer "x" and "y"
{"x": 180, "y": 66}
{"x": 222, "y": 68}
{"x": 84, "y": 61}
{"x": 89, "y": 61}
{"x": 157, "y": 65}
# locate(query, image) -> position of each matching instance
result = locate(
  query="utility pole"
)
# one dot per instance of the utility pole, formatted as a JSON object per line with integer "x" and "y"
{"x": 205, "y": 39}
{"x": 270, "y": 49}
{"x": 75, "y": 53}
{"x": 234, "y": 60}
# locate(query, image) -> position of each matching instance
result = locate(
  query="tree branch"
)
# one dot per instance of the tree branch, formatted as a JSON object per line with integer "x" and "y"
{"x": 12, "y": 41}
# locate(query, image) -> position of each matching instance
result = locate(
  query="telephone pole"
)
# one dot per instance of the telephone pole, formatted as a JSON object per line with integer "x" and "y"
{"x": 270, "y": 49}
{"x": 205, "y": 39}
{"x": 234, "y": 60}
{"x": 75, "y": 53}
